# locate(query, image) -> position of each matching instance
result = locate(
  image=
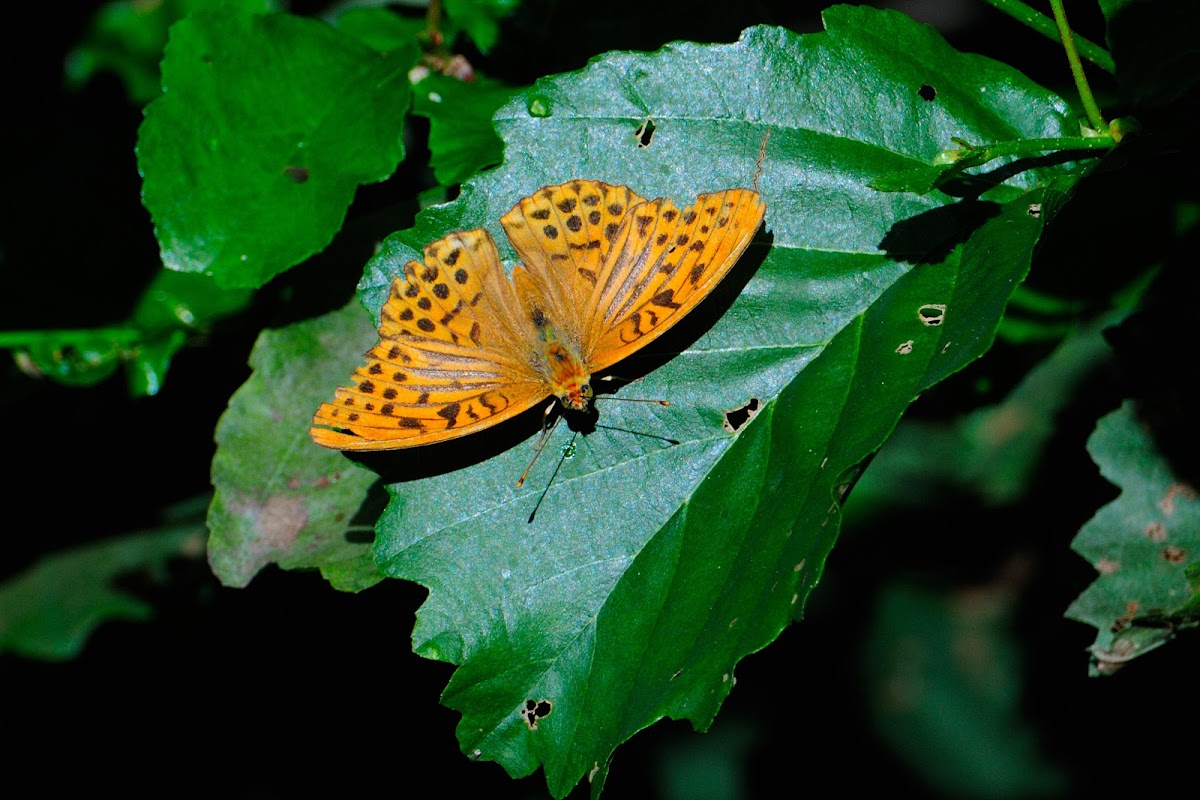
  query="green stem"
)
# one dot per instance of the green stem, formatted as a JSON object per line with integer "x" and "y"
{"x": 1047, "y": 27}
{"x": 25, "y": 339}
{"x": 1085, "y": 92}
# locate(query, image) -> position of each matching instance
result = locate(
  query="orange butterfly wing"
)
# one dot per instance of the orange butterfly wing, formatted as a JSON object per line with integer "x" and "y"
{"x": 463, "y": 348}
{"x": 663, "y": 262}
{"x": 562, "y": 234}
{"x": 453, "y": 356}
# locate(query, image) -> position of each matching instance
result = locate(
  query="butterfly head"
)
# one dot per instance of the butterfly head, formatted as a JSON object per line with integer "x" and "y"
{"x": 577, "y": 397}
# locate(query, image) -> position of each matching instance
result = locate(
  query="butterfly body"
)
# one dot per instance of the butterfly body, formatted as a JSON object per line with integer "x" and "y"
{"x": 462, "y": 347}
{"x": 567, "y": 378}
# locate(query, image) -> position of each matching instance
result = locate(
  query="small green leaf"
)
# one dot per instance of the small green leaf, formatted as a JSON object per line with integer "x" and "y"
{"x": 266, "y": 125}
{"x": 279, "y": 497}
{"x": 951, "y": 714}
{"x": 1144, "y": 544}
{"x": 462, "y": 137}
{"x": 380, "y": 28}
{"x": 83, "y": 358}
{"x": 185, "y": 300}
{"x": 147, "y": 367}
{"x": 49, "y": 610}
{"x": 481, "y": 19}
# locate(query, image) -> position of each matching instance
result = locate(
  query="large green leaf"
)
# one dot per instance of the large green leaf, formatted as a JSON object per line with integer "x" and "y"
{"x": 266, "y": 125}
{"x": 1143, "y": 544}
{"x": 651, "y": 568}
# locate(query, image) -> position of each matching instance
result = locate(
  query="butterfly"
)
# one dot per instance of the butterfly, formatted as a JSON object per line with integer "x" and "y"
{"x": 603, "y": 273}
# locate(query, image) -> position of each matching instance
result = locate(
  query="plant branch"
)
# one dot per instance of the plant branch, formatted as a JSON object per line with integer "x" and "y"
{"x": 1095, "y": 118}
{"x": 1047, "y": 27}
{"x": 116, "y": 335}
{"x": 1030, "y": 147}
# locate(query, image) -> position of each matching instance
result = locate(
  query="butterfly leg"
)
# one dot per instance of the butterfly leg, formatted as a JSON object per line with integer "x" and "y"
{"x": 547, "y": 428}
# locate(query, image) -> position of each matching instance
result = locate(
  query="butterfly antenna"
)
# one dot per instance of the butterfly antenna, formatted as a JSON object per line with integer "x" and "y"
{"x": 609, "y": 378}
{"x": 639, "y": 433}
{"x": 634, "y": 400}
{"x": 762, "y": 156}
{"x": 547, "y": 429}
{"x": 570, "y": 446}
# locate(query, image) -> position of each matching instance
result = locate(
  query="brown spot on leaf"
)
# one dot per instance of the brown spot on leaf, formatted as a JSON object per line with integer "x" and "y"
{"x": 1122, "y": 622}
{"x": 1173, "y": 555}
{"x": 1175, "y": 490}
{"x": 275, "y": 523}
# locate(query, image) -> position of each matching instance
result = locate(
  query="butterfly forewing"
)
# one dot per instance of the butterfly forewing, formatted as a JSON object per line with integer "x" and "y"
{"x": 562, "y": 234}
{"x": 663, "y": 262}
{"x": 451, "y": 360}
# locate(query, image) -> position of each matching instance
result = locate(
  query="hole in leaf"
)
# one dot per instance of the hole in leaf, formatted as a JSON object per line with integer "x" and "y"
{"x": 645, "y": 132}
{"x": 736, "y": 418}
{"x": 535, "y": 710}
{"x": 932, "y": 314}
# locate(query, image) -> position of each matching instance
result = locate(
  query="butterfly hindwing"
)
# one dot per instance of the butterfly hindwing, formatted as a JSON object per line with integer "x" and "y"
{"x": 450, "y": 360}
{"x": 662, "y": 263}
